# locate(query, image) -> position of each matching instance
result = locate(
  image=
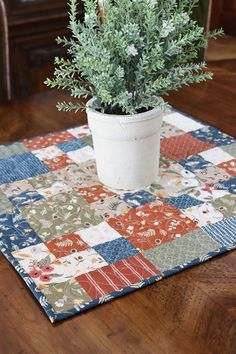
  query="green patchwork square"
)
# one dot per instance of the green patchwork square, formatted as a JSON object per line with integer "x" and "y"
{"x": 226, "y": 205}
{"x": 12, "y": 149}
{"x": 65, "y": 296}
{"x": 5, "y": 204}
{"x": 59, "y": 215}
{"x": 182, "y": 250}
{"x": 230, "y": 149}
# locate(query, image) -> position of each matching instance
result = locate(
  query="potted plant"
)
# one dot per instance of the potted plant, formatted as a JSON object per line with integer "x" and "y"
{"x": 127, "y": 55}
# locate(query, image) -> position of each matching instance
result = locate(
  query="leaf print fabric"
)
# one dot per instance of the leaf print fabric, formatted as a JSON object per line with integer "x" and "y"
{"x": 78, "y": 244}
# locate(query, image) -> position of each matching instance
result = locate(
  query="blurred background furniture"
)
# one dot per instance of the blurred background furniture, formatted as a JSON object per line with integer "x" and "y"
{"x": 5, "y": 90}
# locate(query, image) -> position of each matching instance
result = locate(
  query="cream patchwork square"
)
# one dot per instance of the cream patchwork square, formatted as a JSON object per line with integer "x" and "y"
{"x": 216, "y": 155}
{"x": 15, "y": 188}
{"x": 82, "y": 155}
{"x": 79, "y": 131}
{"x": 49, "y": 152}
{"x": 204, "y": 214}
{"x": 56, "y": 188}
{"x": 98, "y": 234}
{"x": 182, "y": 122}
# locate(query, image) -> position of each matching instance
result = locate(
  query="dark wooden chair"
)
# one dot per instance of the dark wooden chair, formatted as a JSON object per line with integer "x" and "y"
{"x": 5, "y": 90}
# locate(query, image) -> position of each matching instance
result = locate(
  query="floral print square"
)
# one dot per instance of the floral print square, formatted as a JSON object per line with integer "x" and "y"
{"x": 82, "y": 155}
{"x": 195, "y": 163}
{"x": 229, "y": 185}
{"x": 153, "y": 224}
{"x": 80, "y": 131}
{"x": 94, "y": 193}
{"x": 167, "y": 130}
{"x": 66, "y": 296}
{"x": 182, "y": 146}
{"x": 226, "y": 205}
{"x": 138, "y": 198}
{"x": 213, "y": 135}
{"x": 110, "y": 207}
{"x": 212, "y": 175}
{"x": 204, "y": 214}
{"x": 26, "y": 198}
{"x": 66, "y": 245}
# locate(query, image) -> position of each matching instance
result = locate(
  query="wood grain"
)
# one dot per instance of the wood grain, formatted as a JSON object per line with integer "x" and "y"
{"x": 192, "y": 312}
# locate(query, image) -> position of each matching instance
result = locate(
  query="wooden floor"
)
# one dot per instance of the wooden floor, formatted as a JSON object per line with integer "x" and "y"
{"x": 193, "y": 312}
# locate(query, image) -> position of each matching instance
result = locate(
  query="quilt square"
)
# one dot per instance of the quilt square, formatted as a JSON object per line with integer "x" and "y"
{"x": 60, "y": 215}
{"x": 183, "y": 122}
{"x": 12, "y": 149}
{"x": 110, "y": 207}
{"x": 216, "y": 155}
{"x": 20, "y": 167}
{"x": 226, "y": 205}
{"x": 48, "y": 140}
{"x": 15, "y": 188}
{"x": 138, "y": 198}
{"x": 116, "y": 276}
{"x": 223, "y": 231}
{"x": 182, "y": 146}
{"x": 230, "y": 149}
{"x": 116, "y": 250}
{"x": 229, "y": 185}
{"x": 94, "y": 193}
{"x": 25, "y": 198}
{"x": 66, "y": 245}
{"x": 213, "y": 175}
{"x": 55, "y": 188}
{"x": 207, "y": 192}
{"x": 181, "y": 251}
{"x": 88, "y": 140}
{"x": 66, "y": 296}
{"x": 229, "y": 167}
{"x": 49, "y": 152}
{"x": 195, "y": 163}
{"x": 82, "y": 155}
{"x": 153, "y": 224}
{"x": 79, "y": 132}
{"x": 98, "y": 234}
{"x": 204, "y": 214}
{"x": 71, "y": 145}
{"x": 167, "y": 130}
{"x": 5, "y": 206}
{"x": 213, "y": 135}
{"x": 57, "y": 163}
{"x": 184, "y": 201}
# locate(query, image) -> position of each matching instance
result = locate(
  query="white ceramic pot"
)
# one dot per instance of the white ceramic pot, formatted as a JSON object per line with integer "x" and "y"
{"x": 127, "y": 147}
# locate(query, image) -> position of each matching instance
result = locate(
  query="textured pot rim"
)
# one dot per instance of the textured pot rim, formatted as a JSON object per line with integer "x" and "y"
{"x": 126, "y": 118}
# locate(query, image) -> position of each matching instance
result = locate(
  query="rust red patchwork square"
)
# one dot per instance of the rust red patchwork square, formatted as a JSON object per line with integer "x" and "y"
{"x": 58, "y": 162}
{"x": 229, "y": 167}
{"x": 48, "y": 140}
{"x": 117, "y": 276}
{"x": 182, "y": 146}
{"x": 152, "y": 225}
{"x": 66, "y": 245}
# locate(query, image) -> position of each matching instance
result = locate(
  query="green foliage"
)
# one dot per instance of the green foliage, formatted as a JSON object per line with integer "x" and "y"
{"x": 142, "y": 50}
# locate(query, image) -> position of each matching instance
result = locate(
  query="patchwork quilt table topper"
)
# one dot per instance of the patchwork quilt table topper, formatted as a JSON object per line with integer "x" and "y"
{"x": 77, "y": 244}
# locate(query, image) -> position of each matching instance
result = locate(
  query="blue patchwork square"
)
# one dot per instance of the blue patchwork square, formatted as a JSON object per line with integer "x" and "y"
{"x": 195, "y": 163}
{"x": 138, "y": 198}
{"x": 182, "y": 202}
{"x": 16, "y": 233}
{"x": 229, "y": 185}
{"x": 72, "y": 145}
{"x": 223, "y": 231}
{"x": 116, "y": 250}
{"x": 19, "y": 167}
{"x": 25, "y": 198}
{"x": 212, "y": 135}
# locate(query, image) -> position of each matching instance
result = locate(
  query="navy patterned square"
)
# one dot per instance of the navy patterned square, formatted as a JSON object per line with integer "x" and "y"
{"x": 195, "y": 163}
{"x": 25, "y": 198}
{"x": 116, "y": 250}
{"x": 72, "y": 145}
{"x": 184, "y": 201}
{"x": 16, "y": 233}
{"x": 19, "y": 167}
{"x": 138, "y": 198}
{"x": 229, "y": 185}
{"x": 212, "y": 135}
{"x": 223, "y": 231}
